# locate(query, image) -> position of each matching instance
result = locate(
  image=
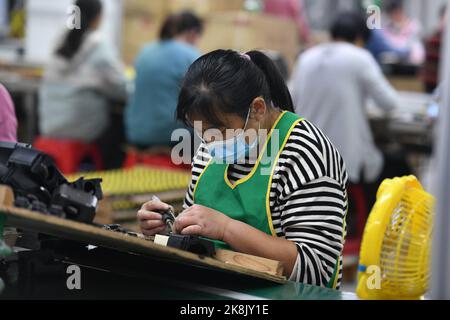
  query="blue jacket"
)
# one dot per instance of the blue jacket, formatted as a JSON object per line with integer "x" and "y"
{"x": 160, "y": 69}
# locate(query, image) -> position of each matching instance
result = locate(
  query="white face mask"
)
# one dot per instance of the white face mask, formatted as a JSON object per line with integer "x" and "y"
{"x": 234, "y": 150}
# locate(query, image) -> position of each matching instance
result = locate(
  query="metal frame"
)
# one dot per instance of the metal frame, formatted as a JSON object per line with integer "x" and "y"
{"x": 440, "y": 283}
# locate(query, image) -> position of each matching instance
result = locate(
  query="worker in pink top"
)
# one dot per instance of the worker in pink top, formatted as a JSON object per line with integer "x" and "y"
{"x": 402, "y": 31}
{"x": 292, "y": 9}
{"x": 8, "y": 121}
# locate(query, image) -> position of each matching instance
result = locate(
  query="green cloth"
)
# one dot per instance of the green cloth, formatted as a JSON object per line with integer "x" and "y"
{"x": 248, "y": 199}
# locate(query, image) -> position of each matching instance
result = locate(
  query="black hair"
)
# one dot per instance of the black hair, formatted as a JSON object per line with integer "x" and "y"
{"x": 225, "y": 81}
{"x": 89, "y": 10}
{"x": 392, "y": 5}
{"x": 350, "y": 26}
{"x": 179, "y": 23}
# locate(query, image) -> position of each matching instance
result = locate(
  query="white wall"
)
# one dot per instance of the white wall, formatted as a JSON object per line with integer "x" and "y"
{"x": 46, "y": 21}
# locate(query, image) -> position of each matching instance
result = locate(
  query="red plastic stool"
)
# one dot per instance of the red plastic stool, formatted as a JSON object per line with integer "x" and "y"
{"x": 68, "y": 154}
{"x": 135, "y": 157}
{"x": 356, "y": 195}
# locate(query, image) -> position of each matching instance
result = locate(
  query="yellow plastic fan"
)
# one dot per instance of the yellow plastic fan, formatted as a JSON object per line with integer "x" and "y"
{"x": 396, "y": 246}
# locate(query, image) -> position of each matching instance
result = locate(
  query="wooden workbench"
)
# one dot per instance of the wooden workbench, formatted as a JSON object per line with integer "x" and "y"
{"x": 72, "y": 230}
{"x": 141, "y": 268}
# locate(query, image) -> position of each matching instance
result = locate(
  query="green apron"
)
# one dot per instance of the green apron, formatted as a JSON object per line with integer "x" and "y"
{"x": 248, "y": 199}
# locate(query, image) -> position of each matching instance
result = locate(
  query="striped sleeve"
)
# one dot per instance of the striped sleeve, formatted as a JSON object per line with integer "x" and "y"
{"x": 312, "y": 216}
{"x": 311, "y": 203}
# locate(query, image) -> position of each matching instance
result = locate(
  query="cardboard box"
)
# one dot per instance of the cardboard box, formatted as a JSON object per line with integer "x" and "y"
{"x": 143, "y": 19}
{"x": 136, "y": 33}
{"x": 145, "y": 8}
{"x": 244, "y": 31}
{"x": 165, "y": 7}
{"x": 205, "y": 7}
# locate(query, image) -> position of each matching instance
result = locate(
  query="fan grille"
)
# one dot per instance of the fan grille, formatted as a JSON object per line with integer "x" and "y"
{"x": 406, "y": 247}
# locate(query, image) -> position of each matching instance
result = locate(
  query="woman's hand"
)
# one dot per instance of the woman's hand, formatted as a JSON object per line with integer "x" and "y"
{"x": 150, "y": 220}
{"x": 202, "y": 221}
{"x": 209, "y": 223}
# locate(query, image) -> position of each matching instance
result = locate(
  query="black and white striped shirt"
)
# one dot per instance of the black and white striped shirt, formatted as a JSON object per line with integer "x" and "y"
{"x": 308, "y": 200}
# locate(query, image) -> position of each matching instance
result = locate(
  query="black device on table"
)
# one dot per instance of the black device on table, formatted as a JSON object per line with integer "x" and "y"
{"x": 38, "y": 184}
{"x": 194, "y": 244}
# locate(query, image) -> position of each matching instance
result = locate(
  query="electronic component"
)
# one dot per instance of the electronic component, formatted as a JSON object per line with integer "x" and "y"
{"x": 38, "y": 184}
{"x": 168, "y": 216}
{"x": 194, "y": 244}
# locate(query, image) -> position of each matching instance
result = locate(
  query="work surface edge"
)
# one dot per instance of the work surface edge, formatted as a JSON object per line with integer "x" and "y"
{"x": 73, "y": 230}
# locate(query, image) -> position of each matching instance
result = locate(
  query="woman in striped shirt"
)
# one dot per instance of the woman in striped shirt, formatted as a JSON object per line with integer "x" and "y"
{"x": 279, "y": 193}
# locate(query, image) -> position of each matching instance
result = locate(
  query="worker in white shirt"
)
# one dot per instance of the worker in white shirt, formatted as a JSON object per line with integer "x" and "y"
{"x": 330, "y": 86}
